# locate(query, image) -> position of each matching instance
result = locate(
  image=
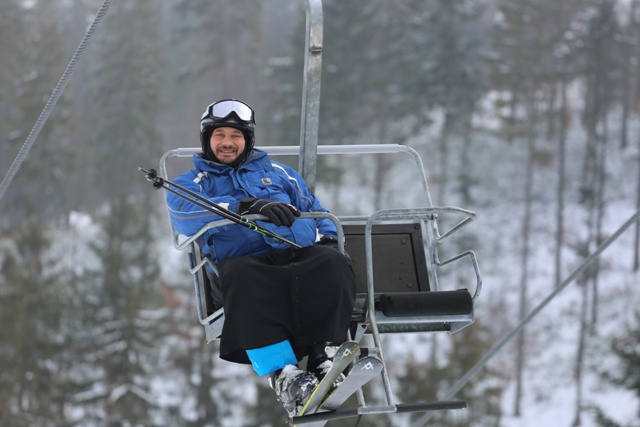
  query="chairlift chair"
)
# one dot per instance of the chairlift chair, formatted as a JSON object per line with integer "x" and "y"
{"x": 394, "y": 251}
{"x": 395, "y": 258}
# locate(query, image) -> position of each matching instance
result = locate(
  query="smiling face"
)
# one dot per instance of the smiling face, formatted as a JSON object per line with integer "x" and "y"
{"x": 227, "y": 144}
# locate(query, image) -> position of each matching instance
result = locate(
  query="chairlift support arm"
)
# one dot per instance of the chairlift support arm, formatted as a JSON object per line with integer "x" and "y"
{"x": 311, "y": 93}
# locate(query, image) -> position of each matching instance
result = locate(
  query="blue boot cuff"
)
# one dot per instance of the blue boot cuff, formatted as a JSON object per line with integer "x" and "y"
{"x": 272, "y": 357}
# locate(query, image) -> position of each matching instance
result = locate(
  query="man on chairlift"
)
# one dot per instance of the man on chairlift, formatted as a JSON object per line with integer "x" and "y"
{"x": 281, "y": 303}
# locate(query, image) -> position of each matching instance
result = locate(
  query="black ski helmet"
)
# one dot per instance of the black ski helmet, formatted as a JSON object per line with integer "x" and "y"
{"x": 227, "y": 113}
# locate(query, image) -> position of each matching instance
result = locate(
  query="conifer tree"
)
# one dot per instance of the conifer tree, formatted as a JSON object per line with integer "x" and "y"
{"x": 32, "y": 49}
{"x": 427, "y": 382}
{"x": 124, "y": 103}
{"x": 627, "y": 351}
{"x": 118, "y": 347}
{"x": 32, "y": 385}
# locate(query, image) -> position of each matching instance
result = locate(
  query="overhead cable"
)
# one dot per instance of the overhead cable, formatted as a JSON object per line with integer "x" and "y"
{"x": 498, "y": 346}
{"x": 53, "y": 100}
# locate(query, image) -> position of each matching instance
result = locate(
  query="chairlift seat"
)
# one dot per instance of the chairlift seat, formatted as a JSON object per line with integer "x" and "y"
{"x": 404, "y": 301}
{"x": 404, "y": 298}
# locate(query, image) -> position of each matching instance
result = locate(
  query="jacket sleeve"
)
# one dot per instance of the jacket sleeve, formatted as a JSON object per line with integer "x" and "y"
{"x": 188, "y": 218}
{"x": 306, "y": 201}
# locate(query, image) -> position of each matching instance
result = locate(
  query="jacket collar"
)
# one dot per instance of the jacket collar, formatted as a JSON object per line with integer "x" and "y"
{"x": 254, "y": 162}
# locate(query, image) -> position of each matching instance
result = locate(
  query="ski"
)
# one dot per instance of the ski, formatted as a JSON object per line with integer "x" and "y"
{"x": 363, "y": 371}
{"x": 345, "y": 354}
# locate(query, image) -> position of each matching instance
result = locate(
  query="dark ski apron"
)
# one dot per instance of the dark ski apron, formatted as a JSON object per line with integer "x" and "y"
{"x": 303, "y": 295}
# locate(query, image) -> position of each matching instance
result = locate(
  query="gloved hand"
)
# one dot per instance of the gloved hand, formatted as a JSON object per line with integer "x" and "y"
{"x": 329, "y": 241}
{"x": 333, "y": 242}
{"x": 278, "y": 213}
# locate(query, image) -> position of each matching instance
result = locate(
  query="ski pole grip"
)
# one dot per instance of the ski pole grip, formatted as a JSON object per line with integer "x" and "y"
{"x": 152, "y": 175}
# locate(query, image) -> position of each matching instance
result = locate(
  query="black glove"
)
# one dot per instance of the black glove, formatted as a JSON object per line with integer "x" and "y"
{"x": 278, "y": 213}
{"x": 329, "y": 241}
{"x": 333, "y": 242}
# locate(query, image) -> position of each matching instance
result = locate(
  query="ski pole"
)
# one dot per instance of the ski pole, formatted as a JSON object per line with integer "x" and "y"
{"x": 203, "y": 202}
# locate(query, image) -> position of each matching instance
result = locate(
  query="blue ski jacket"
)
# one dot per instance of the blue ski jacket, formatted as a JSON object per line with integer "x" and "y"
{"x": 258, "y": 177}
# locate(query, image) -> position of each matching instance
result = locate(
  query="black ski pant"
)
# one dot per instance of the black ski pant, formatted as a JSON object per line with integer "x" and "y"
{"x": 302, "y": 295}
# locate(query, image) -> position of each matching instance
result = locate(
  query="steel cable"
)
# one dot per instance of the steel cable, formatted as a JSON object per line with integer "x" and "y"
{"x": 53, "y": 100}
{"x": 498, "y": 346}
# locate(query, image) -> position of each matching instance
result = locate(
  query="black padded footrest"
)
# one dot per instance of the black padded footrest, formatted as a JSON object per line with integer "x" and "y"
{"x": 434, "y": 303}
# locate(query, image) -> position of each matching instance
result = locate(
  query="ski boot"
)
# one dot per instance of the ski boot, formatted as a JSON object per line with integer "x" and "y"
{"x": 293, "y": 387}
{"x": 320, "y": 361}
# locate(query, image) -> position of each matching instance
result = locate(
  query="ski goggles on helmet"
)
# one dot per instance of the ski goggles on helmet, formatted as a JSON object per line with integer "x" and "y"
{"x": 223, "y": 109}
